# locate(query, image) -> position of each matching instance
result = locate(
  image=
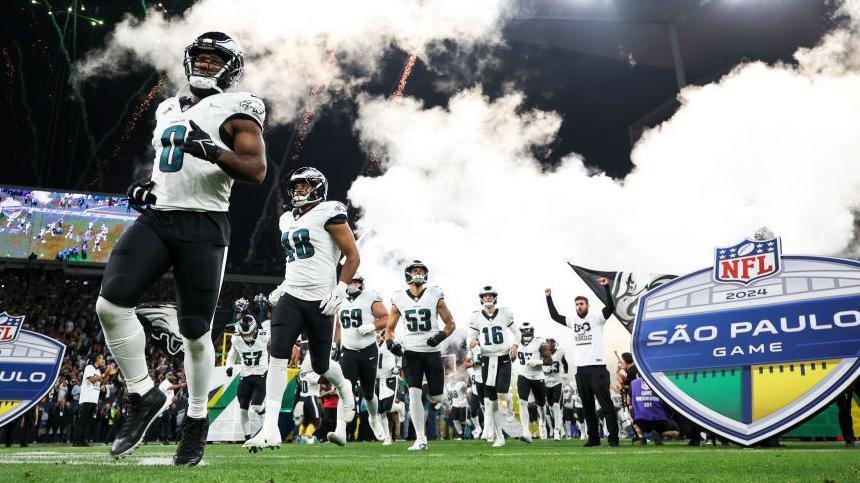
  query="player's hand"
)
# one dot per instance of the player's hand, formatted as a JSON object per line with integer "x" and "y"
{"x": 330, "y": 304}
{"x": 394, "y": 348}
{"x": 230, "y": 371}
{"x": 513, "y": 353}
{"x": 603, "y": 281}
{"x": 199, "y": 144}
{"x": 436, "y": 339}
{"x": 140, "y": 193}
{"x": 547, "y": 291}
{"x": 366, "y": 329}
{"x": 395, "y": 370}
{"x": 534, "y": 362}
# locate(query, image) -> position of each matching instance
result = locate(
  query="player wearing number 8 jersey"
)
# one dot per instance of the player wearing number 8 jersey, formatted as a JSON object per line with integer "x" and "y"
{"x": 420, "y": 305}
{"x": 359, "y": 317}
{"x": 203, "y": 143}
{"x": 493, "y": 329}
{"x": 314, "y": 235}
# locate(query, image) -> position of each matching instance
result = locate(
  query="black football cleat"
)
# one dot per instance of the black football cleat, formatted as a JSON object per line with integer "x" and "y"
{"x": 142, "y": 410}
{"x": 193, "y": 442}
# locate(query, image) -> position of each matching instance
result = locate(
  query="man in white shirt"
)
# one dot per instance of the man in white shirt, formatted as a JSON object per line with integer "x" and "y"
{"x": 90, "y": 388}
{"x": 168, "y": 386}
{"x": 592, "y": 377}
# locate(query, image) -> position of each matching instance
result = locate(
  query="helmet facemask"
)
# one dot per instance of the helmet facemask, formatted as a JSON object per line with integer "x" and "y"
{"x": 527, "y": 333}
{"x": 248, "y": 329}
{"x": 318, "y": 187}
{"x": 356, "y": 286}
{"x": 210, "y": 81}
{"x": 488, "y": 290}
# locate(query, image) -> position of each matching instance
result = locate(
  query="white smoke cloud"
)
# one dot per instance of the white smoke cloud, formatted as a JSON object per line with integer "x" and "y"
{"x": 288, "y": 45}
{"x": 771, "y": 145}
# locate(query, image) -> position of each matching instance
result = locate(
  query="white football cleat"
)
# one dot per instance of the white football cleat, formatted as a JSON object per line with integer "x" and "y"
{"x": 338, "y": 438}
{"x": 476, "y": 434}
{"x": 557, "y": 435}
{"x": 376, "y": 427}
{"x": 419, "y": 445}
{"x": 263, "y": 439}
{"x": 526, "y": 438}
{"x": 542, "y": 431}
{"x": 311, "y": 440}
{"x": 499, "y": 443}
{"x": 386, "y": 442}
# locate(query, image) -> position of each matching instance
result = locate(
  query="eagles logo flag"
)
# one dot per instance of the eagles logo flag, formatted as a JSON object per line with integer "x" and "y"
{"x": 626, "y": 289}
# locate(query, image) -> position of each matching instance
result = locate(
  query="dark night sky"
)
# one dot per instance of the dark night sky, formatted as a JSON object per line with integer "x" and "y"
{"x": 52, "y": 142}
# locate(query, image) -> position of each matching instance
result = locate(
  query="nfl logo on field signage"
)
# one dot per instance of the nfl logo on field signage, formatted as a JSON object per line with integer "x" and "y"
{"x": 29, "y": 366}
{"x": 754, "y": 345}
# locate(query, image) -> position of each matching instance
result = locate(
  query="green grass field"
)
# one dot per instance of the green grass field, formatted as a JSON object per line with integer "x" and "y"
{"x": 445, "y": 461}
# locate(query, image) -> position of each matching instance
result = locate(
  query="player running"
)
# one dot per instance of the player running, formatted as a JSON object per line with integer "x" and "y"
{"x": 251, "y": 344}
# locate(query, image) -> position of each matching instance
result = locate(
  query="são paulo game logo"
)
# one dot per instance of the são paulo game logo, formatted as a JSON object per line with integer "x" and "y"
{"x": 755, "y": 344}
{"x": 29, "y": 365}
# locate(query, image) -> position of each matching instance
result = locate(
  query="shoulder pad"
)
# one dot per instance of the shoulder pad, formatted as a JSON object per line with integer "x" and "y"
{"x": 250, "y": 105}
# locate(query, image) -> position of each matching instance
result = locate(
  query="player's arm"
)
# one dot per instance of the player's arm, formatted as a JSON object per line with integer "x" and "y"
{"x": 393, "y": 317}
{"x": 610, "y": 304}
{"x": 467, "y": 362}
{"x": 381, "y": 315}
{"x": 514, "y": 332}
{"x": 345, "y": 241}
{"x": 474, "y": 333}
{"x": 247, "y": 161}
{"x": 553, "y": 313}
{"x": 447, "y": 318}
{"x": 337, "y": 330}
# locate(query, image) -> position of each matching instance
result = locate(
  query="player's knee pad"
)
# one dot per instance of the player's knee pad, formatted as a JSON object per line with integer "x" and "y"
{"x": 320, "y": 362}
{"x": 111, "y": 314}
{"x": 193, "y": 326}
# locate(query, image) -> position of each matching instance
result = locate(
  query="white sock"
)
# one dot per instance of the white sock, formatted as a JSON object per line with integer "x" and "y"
{"x": 489, "y": 426}
{"x": 199, "y": 362}
{"x": 276, "y": 384}
{"x": 127, "y": 342}
{"x": 558, "y": 415}
{"x": 458, "y": 427}
{"x": 372, "y": 407}
{"x": 334, "y": 375}
{"x": 476, "y": 425}
{"x": 416, "y": 412}
{"x": 386, "y": 427}
{"x": 497, "y": 420}
{"x": 524, "y": 418}
{"x": 246, "y": 422}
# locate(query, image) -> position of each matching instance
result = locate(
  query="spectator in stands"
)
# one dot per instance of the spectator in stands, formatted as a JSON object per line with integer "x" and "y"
{"x": 89, "y": 397}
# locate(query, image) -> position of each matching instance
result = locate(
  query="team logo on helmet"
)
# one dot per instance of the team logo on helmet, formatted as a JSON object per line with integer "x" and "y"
{"x": 29, "y": 365}
{"x": 248, "y": 329}
{"x": 317, "y": 182}
{"x": 751, "y": 359}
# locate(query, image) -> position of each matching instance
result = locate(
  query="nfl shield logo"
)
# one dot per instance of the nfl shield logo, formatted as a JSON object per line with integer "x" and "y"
{"x": 9, "y": 327}
{"x": 748, "y": 261}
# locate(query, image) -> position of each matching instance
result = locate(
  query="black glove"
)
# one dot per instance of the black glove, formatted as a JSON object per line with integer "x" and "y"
{"x": 199, "y": 144}
{"x": 395, "y": 349}
{"x": 230, "y": 371}
{"x": 436, "y": 339}
{"x": 140, "y": 193}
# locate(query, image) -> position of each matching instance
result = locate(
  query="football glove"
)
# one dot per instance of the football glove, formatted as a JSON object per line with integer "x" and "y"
{"x": 395, "y": 370}
{"x": 366, "y": 329}
{"x": 199, "y": 144}
{"x": 140, "y": 193}
{"x": 436, "y": 339}
{"x": 230, "y": 371}
{"x": 330, "y": 304}
{"x": 394, "y": 348}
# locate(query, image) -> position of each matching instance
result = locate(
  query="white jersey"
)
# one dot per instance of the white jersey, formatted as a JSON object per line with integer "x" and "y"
{"x": 492, "y": 332}
{"x": 352, "y": 314}
{"x": 555, "y": 371}
{"x": 182, "y": 181}
{"x": 309, "y": 380}
{"x": 457, "y": 394}
{"x": 312, "y": 254}
{"x": 527, "y": 352}
{"x": 254, "y": 356}
{"x": 387, "y": 367}
{"x": 475, "y": 371}
{"x": 418, "y": 316}
{"x": 588, "y": 338}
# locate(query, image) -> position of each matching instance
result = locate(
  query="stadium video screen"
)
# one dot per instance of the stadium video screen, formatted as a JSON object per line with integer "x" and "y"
{"x": 79, "y": 227}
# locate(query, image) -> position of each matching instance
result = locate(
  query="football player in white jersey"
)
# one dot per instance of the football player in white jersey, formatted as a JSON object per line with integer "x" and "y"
{"x": 314, "y": 235}
{"x": 493, "y": 329}
{"x": 251, "y": 344}
{"x": 457, "y": 393}
{"x": 420, "y": 305}
{"x": 203, "y": 143}
{"x": 387, "y": 381}
{"x": 555, "y": 370}
{"x": 531, "y": 379}
{"x": 360, "y": 316}
{"x": 476, "y": 391}
{"x": 309, "y": 397}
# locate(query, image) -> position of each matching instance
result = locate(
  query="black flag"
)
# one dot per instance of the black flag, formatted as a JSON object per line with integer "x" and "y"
{"x": 626, "y": 288}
